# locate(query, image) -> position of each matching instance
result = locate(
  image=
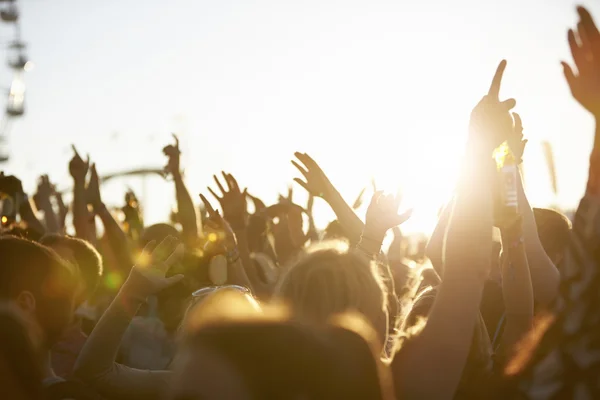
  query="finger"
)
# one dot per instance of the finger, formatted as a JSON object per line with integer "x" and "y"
{"x": 304, "y": 185}
{"x": 405, "y": 216}
{"x": 376, "y": 197}
{"x": 149, "y": 248}
{"x": 209, "y": 209}
{"x": 215, "y": 195}
{"x": 576, "y": 52}
{"x": 87, "y": 161}
{"x": 227, "y": 182}
{"x": 75, "y": 151}
{"x": 233, "y": 183}
{"x": 174, "y": 257}
{"x": 218, "y": 184}
{"x": 163, "y": 251}
{"x": 508, "y": 104}
{"x": 583, "y": 39}
{"x": 300, "y": 168}
{"x": 569, "y": 75}
{"x": 307, "y": 160}
{"x": 398, "y": 198}
{"x": 494, "y": 91}
{"x": 290, "y": 193}
{"x": 588, "y": 22}
{"x": 176, "y": 140}
{"x": 518, "y": 123}
{"x": 170, "y": 281}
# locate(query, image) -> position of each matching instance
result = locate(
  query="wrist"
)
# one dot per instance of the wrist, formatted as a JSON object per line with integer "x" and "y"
{"x": 372, "y": 235}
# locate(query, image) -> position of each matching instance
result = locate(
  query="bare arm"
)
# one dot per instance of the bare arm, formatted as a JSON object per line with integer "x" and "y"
{"x": 516, "y": 289}
{"x": 431, "y": 366}
{"x": 185, "y": 206}
{"x": 318, "y": 185}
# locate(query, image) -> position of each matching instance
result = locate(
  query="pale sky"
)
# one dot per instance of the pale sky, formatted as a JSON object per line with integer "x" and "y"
{"x": 367, "y": 87}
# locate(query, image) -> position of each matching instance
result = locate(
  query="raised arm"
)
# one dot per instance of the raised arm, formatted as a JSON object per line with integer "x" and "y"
{"x": 185, "y": 206}
{"x": 117, "y": 239}
{"x": 545, "y": 277}
{"x": 81, "y": 216}
{"x": 516, "y": 286}
{"x": 43, "y": 202}
{"x": 431, "y": 365}
{"x": 237, "y": 271}
{"x": 317, "y": 184}
{"x": 96, "y": 364}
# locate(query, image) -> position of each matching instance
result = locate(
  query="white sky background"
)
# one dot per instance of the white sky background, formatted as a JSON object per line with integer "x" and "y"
{"x": 367, "y": 87}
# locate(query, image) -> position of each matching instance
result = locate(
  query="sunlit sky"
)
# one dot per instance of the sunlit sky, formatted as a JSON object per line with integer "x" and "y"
{"x": 367, "y": 87}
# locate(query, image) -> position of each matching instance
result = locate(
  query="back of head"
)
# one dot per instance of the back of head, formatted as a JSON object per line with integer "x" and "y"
{"x": 329, "y": 279}
{"x": 80, "y": 253}
{"x": 157, "y": 232}
{"x": 554, "y": 230}
{"x": 278, "y": 360}
{"x": 20, "y": 361}
{"x": 39, "y": 282}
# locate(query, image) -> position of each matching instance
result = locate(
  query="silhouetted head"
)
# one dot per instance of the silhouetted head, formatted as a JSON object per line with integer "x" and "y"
{"x": 39, "y": 283}
{"x": 157, "y": 232}
{"x": 278, "y": 360}
{"x": 554, "y": 230}
{"x": 81, "y": 254}
{"x": 329, "y": 279}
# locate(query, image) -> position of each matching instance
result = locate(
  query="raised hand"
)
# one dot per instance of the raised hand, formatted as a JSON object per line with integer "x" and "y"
{"x": 315, "y": 181}
{"x": 585, "y": 49}
{"x": 77, "y": 167}
{"x": 491, "y": 122}
{"x": 382, "y": 215}
{"x": 153, "y": 265}
{"x": 515, "y": 139}
{"x": 93, "y": 190}
{"x": 44, "y": 193}
{"x": 217, "y": 223}
{"x": 233, "y": 201}
{"x": 173, "y": 153}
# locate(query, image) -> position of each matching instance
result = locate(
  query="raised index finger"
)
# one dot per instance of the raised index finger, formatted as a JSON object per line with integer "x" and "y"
{"x": 494, "y": 91}
{"x": 75, "y": 151}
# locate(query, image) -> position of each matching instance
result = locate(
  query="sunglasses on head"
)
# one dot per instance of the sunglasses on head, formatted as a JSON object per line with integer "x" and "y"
{"x": 211, "y": 289}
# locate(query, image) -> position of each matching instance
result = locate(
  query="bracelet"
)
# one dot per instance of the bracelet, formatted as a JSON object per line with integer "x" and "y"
{"x": 369, "y": 239}
{"x": 232, "y": 256}
{"x": 365, "y": 252}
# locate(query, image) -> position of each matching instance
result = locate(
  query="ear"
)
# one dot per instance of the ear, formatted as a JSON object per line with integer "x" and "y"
{"x": 26, "y": 302}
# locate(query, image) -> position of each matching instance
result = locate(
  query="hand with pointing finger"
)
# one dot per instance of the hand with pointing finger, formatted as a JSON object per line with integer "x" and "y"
{"x": 78, "y": 168}
{"x": 491, "y": 122}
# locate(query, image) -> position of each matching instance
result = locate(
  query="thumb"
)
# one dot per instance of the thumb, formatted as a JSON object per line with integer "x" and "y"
{"x": 170, "y": 281}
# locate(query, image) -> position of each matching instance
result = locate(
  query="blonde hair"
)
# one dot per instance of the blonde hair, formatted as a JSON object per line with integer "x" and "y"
{"x": 328, "y": 279}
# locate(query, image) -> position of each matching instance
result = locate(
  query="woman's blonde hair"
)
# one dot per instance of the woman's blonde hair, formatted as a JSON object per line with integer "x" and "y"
{"x": 328, "y": 279}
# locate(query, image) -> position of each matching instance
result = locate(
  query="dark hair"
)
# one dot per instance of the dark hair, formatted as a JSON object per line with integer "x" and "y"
{"x": 20, "y": 365}
{"x": 28, "y": 266}
{"x": 23, "y": 233}
{"x": 87, "y": 258}
{"x": 554, "y": 230}
{"x": 280, "y": 360}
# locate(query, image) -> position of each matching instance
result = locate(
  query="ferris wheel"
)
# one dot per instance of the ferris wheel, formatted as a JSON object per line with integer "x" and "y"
{"x": 19, "y": 63}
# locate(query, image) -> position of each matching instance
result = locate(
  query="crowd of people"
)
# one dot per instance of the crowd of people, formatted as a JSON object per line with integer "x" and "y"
{"x": 248, "y": 301}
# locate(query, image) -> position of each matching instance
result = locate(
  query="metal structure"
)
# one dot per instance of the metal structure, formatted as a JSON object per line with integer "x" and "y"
{"x": 19, "y": 63}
